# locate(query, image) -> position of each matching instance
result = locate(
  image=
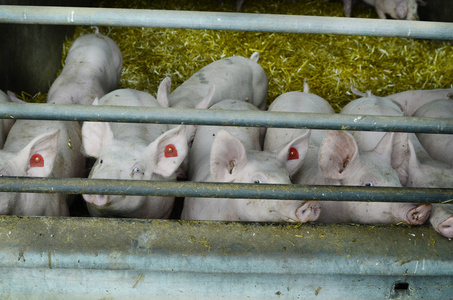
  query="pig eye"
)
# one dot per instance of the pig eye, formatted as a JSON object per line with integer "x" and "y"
{"x": 135, "y": 170}
{"x": 101, "y": 161}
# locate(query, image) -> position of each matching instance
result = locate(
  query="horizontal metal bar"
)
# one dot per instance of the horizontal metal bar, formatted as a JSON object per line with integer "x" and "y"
{"x": 223, "y": 117}
{"x": 223, "y": 21}
{"x": 222, "y": 190}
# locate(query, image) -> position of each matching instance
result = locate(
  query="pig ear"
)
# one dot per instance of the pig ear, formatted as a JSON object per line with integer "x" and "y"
{"x": 163, "y": 91}
{"x": 205, "y": 103}
{"x": 394, "y": 145}
{"x": 39, "y": 155}
{"x": 294, "y": 153}
{"x": 227, "y": 156}
{"x": 94, "y": 136}
{"x": 169, "y": 151}
{"x": 338, "y": 152}
{"x": 410, "y": 165}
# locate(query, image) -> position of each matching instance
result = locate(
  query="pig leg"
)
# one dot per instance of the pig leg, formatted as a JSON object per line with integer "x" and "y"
{"x": 442, "y": 219}
{"x": 309, "y": 211}
{"x": 347, "y": 7}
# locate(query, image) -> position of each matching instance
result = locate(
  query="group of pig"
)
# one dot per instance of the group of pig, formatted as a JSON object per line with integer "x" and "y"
{"x": 224, "y": 154}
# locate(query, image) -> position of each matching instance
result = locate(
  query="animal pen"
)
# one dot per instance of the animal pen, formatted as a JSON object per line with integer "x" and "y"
{"x": 106, "y": 258}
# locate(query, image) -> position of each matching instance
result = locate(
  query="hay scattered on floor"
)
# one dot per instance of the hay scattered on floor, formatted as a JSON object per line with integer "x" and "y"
{"x": 331, "y": 63}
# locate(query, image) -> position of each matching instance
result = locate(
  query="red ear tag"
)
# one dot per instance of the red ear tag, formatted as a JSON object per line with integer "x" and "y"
{"x": 293, "y": 154}
{"x": 170, "y": 151}
{"x": 37, "y": 161}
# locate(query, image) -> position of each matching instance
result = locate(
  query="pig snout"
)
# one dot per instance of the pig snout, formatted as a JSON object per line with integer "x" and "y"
{"x": 309, "y": 211}
{"x": 98, "y": 200}
{"x": 419, "y": 214}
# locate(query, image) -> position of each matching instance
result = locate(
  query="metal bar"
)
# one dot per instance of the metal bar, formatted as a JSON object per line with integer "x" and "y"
{"x": 223, "y": 117}
{"x": 223, "y": 21}
{"x": 222, "y": 190}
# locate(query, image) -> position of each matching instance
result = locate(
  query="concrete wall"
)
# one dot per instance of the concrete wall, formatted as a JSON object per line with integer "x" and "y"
{"x": 30, "y": 55}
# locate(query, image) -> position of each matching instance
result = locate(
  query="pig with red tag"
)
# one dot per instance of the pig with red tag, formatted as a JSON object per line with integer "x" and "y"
{"x": 233, "y": 154}
{"x": 133, "y": 151}
{"x": 382, "y": 152}
{"x": 439, "y": 146}
{"x": 92, "y": 69}
{"x": 5, "y": 124}
{"x": 40, "y": 149}
{"x": 234, "y": 77}
{"x": 334, "y": 158}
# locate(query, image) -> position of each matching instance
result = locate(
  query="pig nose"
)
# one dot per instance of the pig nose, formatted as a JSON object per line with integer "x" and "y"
{"x": 98, "y": 200}
{"x": 309, "y": 211}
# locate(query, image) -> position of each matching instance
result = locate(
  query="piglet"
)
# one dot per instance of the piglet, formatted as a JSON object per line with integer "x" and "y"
{"x": 410, "y": 101}
{"x": 5, "y": 124}
{"x": 397, "y": 9}
{"x": 233, "y": 154}
{"x": 40, "y": 149}
{"x": 382, "y": 153}
{"x": 439, "y": 146}
{"x": 133, "y": 151}
{"x": 234, "y": 77}
{"x": 420, "y": 170}
{"x": 92, "y": 69}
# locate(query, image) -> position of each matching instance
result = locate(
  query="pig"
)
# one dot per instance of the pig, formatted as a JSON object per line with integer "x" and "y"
{"x": 334, "y": 158}
{"x": 234, "y": 77}
{"x": 386, "y": 151}
{"x": 233, "y": 154}
{"x": 92, "y": 69}
{"x": 5, "y": 124}
{"x": 397, "y": 9}
{"x": 439, "y": 146}
{"x": 410, "y": 101}
{"x": 40, "y": 149}
{"x": 420, "y": 170}
{"x": 275, "y": 138}
{"x": 133, "y": 151}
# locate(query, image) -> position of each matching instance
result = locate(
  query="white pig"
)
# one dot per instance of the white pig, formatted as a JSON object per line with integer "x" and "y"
{"x": 334, "y": 158}
{"x": 234, "y": 77}
{"x": 420, "y": 170}
{"x": 304, "y": 102}
{"x": 410, "y": 101}
{"x": 40, "y": 149}
{"x": 133, "y": 151}
{"x": 5, "y": 124}
{"x": 439, "y": 146}
{"x": 92, "y": 69}
{"x": 397, "y": 9}
{"x": 233, "y": 154}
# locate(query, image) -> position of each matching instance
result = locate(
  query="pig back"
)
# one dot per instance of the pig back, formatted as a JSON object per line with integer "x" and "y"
{"x": 234, "y": 77}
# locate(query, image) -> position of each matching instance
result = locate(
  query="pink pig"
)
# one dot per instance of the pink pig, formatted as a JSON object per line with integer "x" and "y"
{"x": 92, "y": 69}
{"x": 410, "y": 101}
{"x": 439, "y": 146}
{"x": 420, "y": 170}
{"x": 233, "y": 154}
{"x": 133, "y": 151}
{"x": 397, "y": 9}
{"x": 40, "y": 149}
{"x": 234, "y": 77}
